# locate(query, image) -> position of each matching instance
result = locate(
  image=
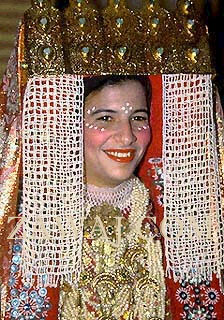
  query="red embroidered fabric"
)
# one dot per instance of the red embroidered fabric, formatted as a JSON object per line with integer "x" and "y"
{"x": 187, "y": 300}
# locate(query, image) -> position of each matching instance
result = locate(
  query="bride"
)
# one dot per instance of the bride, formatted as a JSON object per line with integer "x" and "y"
{"x": 122, "y": 274}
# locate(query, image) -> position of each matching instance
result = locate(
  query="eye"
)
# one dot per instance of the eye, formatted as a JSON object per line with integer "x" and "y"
{"x": 139, "y": 118}
{"x": 105, "y": 118}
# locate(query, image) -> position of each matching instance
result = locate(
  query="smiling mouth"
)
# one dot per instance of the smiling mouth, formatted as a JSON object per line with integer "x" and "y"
{"x": 124, "y": 156}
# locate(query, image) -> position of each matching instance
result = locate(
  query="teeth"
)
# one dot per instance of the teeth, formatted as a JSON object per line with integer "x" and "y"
{"x": 119, "y": 154}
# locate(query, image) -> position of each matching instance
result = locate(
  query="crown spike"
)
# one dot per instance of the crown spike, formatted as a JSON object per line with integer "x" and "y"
{"x": 43, "y": 42}
{"x": 83, "y": 35}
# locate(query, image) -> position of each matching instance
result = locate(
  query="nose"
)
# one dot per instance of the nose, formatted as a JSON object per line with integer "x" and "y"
{"x": 124, "y": 135}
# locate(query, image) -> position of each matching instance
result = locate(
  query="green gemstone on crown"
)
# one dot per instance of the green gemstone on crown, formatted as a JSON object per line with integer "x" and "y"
{"x": 47, "y": 53}
{"x": 122, "y": 50}
{"x": 190, "y": 22}
{"x": 82, "y": 21}
{"x": 85, "y": 50}
{"x": 160, "y": 51}
{"x": 44, "y": 21}
{"x": 119, "y": 22}
{"x": 155, "y": 21}
{"x": 195, "y": 51}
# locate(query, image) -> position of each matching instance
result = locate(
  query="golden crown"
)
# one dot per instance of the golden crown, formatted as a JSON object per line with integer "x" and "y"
{"x": 82, "y": 39}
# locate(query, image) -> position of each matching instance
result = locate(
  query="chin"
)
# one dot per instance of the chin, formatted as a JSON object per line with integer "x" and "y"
{"x": 119, "y": 178}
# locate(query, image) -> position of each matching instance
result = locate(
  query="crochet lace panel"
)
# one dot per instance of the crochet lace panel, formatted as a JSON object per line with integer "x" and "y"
{"x": 53, "y": 188}
{"x": 191, "y": 185}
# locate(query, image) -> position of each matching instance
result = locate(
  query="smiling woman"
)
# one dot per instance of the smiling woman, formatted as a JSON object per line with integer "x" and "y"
{"x": 76, "y": 138}
{"x": 123, "y": 251}
{"x": 116, "y": 128}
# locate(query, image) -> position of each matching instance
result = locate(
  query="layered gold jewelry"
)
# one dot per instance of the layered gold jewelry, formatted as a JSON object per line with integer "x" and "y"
{"x": 119, "y": 279}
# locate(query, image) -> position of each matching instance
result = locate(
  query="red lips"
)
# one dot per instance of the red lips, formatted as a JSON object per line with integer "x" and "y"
{"x": 121, "y": 155}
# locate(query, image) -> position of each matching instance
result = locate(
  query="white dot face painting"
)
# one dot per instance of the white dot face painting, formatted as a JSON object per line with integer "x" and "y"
{"x": 116, "y": 132}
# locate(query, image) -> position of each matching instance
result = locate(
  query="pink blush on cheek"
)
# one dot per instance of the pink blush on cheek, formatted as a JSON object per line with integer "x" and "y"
{"x": 96, "y": 137}
{"x": 143, "y": 136}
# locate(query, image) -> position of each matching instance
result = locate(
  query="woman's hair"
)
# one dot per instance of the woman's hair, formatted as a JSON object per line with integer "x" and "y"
{"x": 97, "y": 83}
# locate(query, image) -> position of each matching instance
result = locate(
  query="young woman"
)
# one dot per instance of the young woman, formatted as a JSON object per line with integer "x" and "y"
{"x": 122, "y": 274}
{"x": 113, "y": 268}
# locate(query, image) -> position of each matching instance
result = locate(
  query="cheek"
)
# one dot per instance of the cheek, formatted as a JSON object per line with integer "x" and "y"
{"x": 94, "y": 139}
{"x": 143, "y": 138}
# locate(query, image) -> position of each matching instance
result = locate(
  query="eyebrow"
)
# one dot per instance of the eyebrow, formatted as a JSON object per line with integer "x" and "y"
{"x": 141, "y": 110}
{"x": 114, "y": 111}
{"x": 103, "y": 110}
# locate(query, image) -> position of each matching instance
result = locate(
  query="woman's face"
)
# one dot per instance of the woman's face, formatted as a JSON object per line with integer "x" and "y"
{"x": 116, "y": 132}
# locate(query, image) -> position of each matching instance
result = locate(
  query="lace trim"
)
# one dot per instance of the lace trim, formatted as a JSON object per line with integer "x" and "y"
{"x": 119, "y": 197}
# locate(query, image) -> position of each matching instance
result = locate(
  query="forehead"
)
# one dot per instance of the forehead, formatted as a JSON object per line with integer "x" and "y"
{"x": 130, "y": 91}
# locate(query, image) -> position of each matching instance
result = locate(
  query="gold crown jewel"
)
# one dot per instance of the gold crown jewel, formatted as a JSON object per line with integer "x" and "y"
{"x": 83, "y": 37}
{"x": 43, "y": 42}
{"x": 116, "y": 39}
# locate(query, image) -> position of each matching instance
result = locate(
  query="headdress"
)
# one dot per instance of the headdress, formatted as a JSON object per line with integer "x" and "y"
{"x": 56, "y": 49}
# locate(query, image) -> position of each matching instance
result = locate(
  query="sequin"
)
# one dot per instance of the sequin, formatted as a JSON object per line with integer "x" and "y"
{"x": 42, "y": 292}
{"x": 14, "y": 268}
{"x": 15, "y": 303}
{"x": 190, "y": 23}
{"x": 27, "y": 285}
{"x": 155, "y": 22}
{"x": 16, "y": 259}
{"x": 39, "y": 300}
{"x": 14, "y": 292}
{"x": 43, "y": 21}
{"x": 20, "y": 208}
{"x": 23, "y": 295}
{"x": 27, "y": 307}
{"x": 8, "y": 307}
{"x": 33, "y": 294}
{"x": 47, "y": 306}
{"x": 17, "y": 248}
{"x": 210, "y": 307}
{"x": 12, "y": 281}
{"x": 14, "y": 313}
{"x": 44, "y": 278}
{"x": 122, "y": 51}
{"x": 212, "y": 295}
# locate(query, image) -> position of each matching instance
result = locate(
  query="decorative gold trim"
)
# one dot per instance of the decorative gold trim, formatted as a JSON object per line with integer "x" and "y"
{"x": 43, "y": 40}
{"x": 116, "y": 39}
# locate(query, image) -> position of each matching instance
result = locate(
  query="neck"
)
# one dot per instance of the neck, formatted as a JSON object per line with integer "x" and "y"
{"x": 118, "y": 196}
